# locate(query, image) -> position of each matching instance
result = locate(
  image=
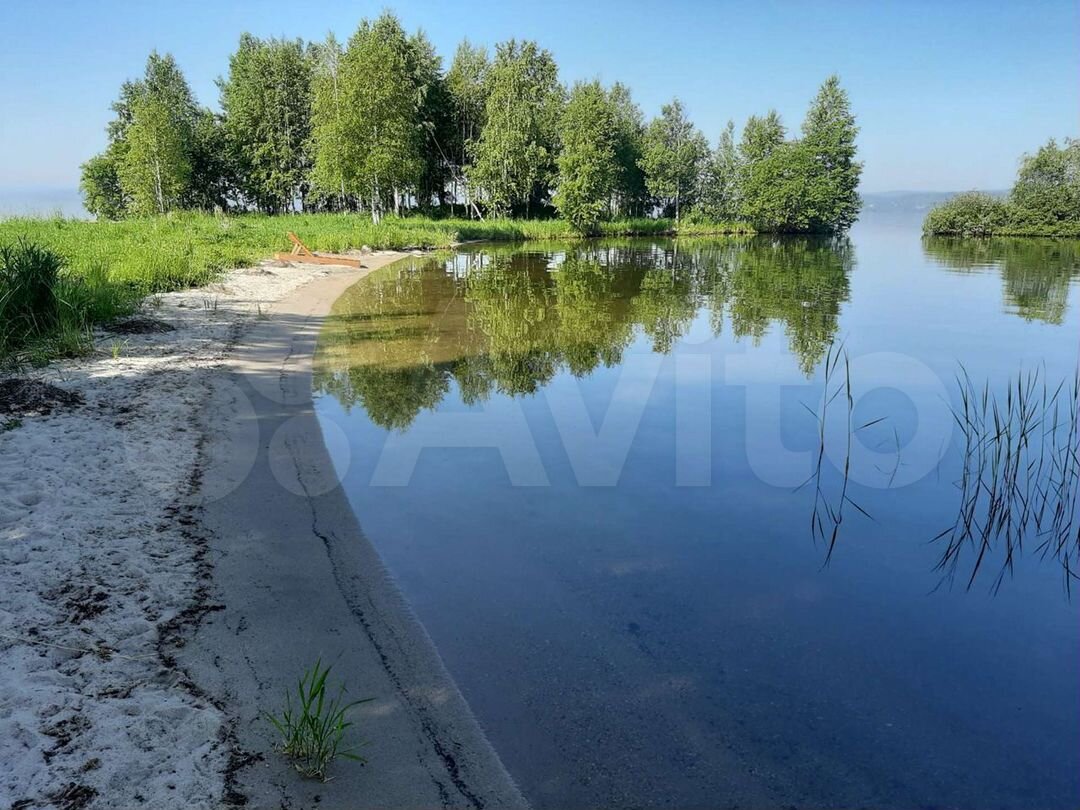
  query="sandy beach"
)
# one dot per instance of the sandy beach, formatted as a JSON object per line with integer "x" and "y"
{"x": 175, "y": 550}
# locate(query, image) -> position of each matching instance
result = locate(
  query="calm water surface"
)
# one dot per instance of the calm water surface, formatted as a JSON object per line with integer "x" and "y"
{"x": 627, "y": 581}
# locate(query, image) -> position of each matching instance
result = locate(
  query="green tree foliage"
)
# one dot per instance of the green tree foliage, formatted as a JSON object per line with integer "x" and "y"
{"x": 804, "y": 185}
{"x": 435, "y": 111}
{"x": 1047, "y": 189}
{"x": 761, "y": 137}
{"x": 720, "y": 191}
{"x": 379, "y": 125}
{"x": 368, "y": 138}
{"x": 672, "y": 156}
{"x": 631, "y": 193}
{"x": 329, "y": 146}
{"x": 266, "y": 99}
{"x": 588, "y": 163}
{"x": 768, "y": 192}
{"x": 828, "y": 139}
{"x": 184, "y": 135}
{"x": 156, "y": 166}
{"x": 102, "y": 193}
{"x": 1045, "y": 201}
{"x": 467, "y": 84}
{"x": 514, "y": 158}
{"x": 970, "y": 214}
{"x": 774, "y": 194}
{"x": 214, "y": 180}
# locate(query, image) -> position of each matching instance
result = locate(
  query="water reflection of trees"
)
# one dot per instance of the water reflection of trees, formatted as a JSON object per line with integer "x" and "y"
{"x": 1036, "y": 272}
{"x": 507, "y": 320}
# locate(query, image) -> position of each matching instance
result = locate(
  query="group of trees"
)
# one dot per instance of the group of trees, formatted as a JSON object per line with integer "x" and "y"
{"x": 1045, "y": 200}
{"x": 377, "y": 124}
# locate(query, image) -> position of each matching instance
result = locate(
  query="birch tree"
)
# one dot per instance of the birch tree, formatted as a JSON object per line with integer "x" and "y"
{"x": 672, "y": 157}
{"x": 155, "y": 168}
{"x": 266, "y": 100}
{"x": 588, "y": 163}
{"x": 514, "y": 159}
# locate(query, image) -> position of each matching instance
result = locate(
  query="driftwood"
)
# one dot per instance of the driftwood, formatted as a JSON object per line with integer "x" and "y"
{"x": 301, "y": 253}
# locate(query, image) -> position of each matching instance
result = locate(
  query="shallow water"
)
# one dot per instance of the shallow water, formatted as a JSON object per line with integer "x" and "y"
{"x": 614, "y": 555}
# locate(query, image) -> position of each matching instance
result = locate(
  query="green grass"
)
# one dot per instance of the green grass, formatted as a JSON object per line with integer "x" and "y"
{"x": 182, "y": 250}
{"x": 107, "y": 267}
{"x": 313, "y": 728}
{"x": 45, "y": 309}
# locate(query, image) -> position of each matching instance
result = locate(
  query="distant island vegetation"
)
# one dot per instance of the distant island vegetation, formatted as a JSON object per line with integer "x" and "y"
{"x": 1045, "y": 201}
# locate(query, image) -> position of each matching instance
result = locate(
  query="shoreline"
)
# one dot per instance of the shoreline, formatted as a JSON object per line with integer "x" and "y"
{"x": 140, "y": 645}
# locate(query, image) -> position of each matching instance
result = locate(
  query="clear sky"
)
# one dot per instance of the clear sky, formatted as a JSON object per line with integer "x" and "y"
{"x": 948, "y": 94}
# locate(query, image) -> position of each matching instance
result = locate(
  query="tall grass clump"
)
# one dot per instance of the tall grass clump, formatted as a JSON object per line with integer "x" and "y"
{"x": 39, "y": 313}
{"x": 45, "y": 309}
{"x": 29, "y": 304}
{"x": 313, "y": 727}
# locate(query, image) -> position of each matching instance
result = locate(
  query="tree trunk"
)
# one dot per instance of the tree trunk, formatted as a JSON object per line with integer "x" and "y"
{"x": 157, "y": 187}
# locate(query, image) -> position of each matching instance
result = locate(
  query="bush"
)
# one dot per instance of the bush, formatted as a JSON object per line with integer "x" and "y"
{"x": 969, "y": 214}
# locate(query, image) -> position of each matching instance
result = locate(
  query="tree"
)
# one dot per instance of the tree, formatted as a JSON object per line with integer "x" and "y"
{"x": 192, "y": 139}
{"x": 266, "y": 100}
{"x": 514, "y": 159}
{"x": 772, "y": 176}
{"x": 720, "y": 193}
{"x": 329, "y": 144}
{"x": 467, "y": 84}
{"x": 100, "y": 186}
{"x": 214, "y": 183}
{"x": 631, "y": 194}
{"x": 436, "y": 120}
{"x": 802, "y": 185}
{"x": 163, "y": 80}
{"x": 368, "y": 138}
{"x": 761, "y": 137}
{"x": 829, "y": 133}
{"x": 672, "y": 157}
{"x": 774, "y": 191}
{"x": 155, "y": 168}
{"x": 1047, "y": 189}
{"x": 588, "y": 163}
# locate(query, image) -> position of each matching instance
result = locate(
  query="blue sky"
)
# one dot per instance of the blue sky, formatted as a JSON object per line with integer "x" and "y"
{"x": 948, "y": 94}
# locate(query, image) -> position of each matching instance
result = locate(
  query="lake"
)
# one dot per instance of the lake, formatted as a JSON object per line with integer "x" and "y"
{"x": 769, "y": 522}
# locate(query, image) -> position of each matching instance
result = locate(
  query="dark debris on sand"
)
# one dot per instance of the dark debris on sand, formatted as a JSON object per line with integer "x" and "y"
{"x": 22, "y": 397}
{"x": 139, "y": 326}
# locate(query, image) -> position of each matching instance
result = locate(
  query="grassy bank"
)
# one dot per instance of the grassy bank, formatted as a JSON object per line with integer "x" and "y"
{"x": 100, "y": 270}
{"x": 1068, "y": 230}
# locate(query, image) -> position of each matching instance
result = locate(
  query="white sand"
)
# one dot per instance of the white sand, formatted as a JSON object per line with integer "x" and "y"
{"x": 100, "y": 550}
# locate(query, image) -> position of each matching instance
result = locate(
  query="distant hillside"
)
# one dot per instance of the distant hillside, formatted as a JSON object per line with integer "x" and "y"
{"x": 910, "y": 202}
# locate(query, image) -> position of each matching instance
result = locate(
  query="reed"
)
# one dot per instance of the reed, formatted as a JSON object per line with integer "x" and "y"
{"x": 1019, "y": 478}
{"x": 827, "y": 514}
